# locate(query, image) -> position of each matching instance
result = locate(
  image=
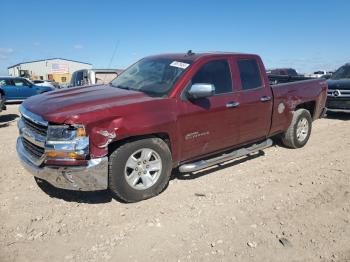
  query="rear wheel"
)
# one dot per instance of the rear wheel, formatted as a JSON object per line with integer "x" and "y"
{"x": 140, "y": 169}
{"x": 299, "y": 131}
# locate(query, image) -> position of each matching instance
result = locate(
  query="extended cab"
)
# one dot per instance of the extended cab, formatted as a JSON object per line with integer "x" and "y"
{"x": 186, "y": 111}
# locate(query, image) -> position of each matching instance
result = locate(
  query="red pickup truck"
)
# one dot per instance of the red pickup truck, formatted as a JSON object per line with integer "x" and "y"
{"x": 186, "y": 111}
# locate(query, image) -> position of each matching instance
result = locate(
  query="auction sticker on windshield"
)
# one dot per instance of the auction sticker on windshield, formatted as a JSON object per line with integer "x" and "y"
{"x": 179, "y": 64}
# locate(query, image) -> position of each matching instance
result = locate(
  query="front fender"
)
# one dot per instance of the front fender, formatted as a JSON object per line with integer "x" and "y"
{"x": 102, "y": 134}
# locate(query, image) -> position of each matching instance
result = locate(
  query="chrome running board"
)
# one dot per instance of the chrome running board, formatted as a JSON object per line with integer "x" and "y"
{"x": 201, "y": 164}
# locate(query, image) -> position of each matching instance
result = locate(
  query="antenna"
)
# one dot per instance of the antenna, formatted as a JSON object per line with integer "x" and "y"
{"x": 113, "y": 54}
{"x": 112, "y": 58}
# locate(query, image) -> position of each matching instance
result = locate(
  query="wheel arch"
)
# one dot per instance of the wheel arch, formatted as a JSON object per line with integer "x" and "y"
{"x": 310, "y": 106}
{"x": 164, "y": 136}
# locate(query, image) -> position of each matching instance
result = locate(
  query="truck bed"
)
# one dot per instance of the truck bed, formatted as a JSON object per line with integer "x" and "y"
{"x": 288, "y": 96}
{"x": 280, "y": 79}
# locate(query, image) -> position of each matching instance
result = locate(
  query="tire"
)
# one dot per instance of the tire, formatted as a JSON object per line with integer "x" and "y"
{"x": 130, "y": 181}
{"x": 292, "y": 138}
{"x": 1, "y": 102}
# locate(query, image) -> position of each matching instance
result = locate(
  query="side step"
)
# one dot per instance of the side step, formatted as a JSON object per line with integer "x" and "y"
{"x": 201, "y": 164}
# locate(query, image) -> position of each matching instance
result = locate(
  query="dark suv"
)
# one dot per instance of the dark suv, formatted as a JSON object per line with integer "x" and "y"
{"x": 339, "y": 90}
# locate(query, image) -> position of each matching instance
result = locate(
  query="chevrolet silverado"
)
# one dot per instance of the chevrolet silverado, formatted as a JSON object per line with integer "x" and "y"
{"x": 187, "y": 111}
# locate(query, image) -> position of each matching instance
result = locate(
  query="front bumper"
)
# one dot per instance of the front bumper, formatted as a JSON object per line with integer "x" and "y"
{"x": 338, "y": 104}
{"x": 338, "y": 110}
{"x": 92, "y": 177}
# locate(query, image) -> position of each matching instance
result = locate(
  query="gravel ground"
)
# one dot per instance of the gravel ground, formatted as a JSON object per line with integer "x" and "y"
{"x": 279, "y": 205}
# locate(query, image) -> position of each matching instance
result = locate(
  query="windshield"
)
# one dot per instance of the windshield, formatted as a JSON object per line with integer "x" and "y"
{"x": 341, "y": 73}
{"x": 28, "y": 82}
{"x": 154, "y": 76}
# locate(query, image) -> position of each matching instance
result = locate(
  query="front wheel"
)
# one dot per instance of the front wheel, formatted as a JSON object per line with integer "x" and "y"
{"x": 1, "y": 102}
{"x": 139, "y": 169}
{"x": 298, "y": 133}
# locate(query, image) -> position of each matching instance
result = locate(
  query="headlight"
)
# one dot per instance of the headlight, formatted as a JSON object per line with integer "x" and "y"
{"x": 64, "y": 133}
{"x": 66, "y": 142}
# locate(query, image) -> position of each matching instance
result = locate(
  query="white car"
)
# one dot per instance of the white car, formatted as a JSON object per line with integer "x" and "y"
{"x": 48, "y": 83}
{"x": 320, "y": 73}
{"x": 93, "y": 76}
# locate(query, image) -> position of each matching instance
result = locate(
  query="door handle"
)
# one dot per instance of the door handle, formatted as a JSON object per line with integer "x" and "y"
{"x": 232, "y": 104}
{"x": 265, "y": 98}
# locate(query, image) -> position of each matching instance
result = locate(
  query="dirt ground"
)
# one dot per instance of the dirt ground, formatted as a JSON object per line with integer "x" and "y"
{"x": 280, "y": 205}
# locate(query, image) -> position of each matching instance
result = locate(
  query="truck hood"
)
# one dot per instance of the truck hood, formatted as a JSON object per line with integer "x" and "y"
{"x": 339, "y": 84}
{"x": 66, "y": 105}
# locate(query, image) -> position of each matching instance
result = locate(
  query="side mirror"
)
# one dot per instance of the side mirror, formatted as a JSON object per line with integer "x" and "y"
{"x": 201, "y": 91}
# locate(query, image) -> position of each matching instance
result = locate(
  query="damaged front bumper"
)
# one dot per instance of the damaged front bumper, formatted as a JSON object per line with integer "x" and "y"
{"x": 92, "y": 177}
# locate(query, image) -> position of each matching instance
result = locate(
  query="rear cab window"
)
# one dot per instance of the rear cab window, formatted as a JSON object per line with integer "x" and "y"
{"x": 215, "y": 72}
{"x": 249, "y": 73}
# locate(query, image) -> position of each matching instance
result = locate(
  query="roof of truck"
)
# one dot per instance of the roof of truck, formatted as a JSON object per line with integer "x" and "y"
{"x": 194, "y": 56}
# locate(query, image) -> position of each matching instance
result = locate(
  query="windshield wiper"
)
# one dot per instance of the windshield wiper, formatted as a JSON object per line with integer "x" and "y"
{"x": 122, "y": 87}
{"x": 126, "y": 88}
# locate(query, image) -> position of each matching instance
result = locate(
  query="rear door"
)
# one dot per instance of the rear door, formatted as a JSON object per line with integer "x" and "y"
{"x": 207, "y": 125}
{"x": 255, "y": 100}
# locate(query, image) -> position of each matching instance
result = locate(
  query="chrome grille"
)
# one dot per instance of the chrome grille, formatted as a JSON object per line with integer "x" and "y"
{"x": 338, "y": 93}
{"x": 34, "y": 150}
{"x": 35, "y": 127}
{"x": 33, "y": 132}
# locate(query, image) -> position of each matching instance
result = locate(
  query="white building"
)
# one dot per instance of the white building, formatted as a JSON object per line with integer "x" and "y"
{"x": 56, "y": 69}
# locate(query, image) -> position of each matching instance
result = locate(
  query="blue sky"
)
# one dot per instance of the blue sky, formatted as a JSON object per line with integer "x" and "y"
{"x": 306, "y": 35}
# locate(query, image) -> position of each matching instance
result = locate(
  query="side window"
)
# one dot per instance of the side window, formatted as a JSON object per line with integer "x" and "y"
{"x": 19, "y": 82}
{"x": 217, "y": 73}
{"x": 2, "y": 82}
{"x": 249, "y": 73}
{"x": 10, "y": 83}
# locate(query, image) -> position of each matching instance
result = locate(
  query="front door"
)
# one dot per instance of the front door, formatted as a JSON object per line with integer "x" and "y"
{"x": 207, "y": 125}
{"x": 24, "y": 88}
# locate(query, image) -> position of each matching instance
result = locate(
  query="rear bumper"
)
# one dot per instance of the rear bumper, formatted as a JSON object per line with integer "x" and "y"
{"x": 92, "y": 177}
